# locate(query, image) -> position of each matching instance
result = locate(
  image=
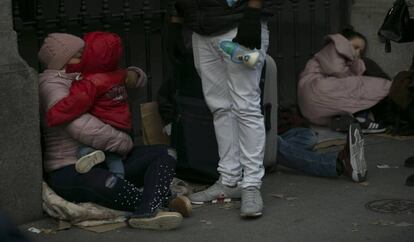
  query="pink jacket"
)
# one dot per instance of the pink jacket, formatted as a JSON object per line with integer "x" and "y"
{"x": 332, "y": 83}
{"x": 62, "y": 142}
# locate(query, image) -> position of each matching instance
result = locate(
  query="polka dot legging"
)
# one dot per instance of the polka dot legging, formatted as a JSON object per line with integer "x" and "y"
{"x": 149, "y": 167}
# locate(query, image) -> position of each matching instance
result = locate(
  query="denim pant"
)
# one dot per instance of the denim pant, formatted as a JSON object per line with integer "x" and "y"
{"x": 232, "y": 93}
{"x": 295, "y": 151}
{"x": 150, "y": 167}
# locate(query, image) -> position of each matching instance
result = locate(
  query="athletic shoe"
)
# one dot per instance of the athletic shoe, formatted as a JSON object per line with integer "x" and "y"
{"x": 215, "y": 194}
{"x": 352, "y": 156}
{"x": 182, "y": 205}
{"x": 252, "y": 203}
{"x": 86, "y": 162}
{"x": 370, "y": 127}
{"x": 161, "y": 221}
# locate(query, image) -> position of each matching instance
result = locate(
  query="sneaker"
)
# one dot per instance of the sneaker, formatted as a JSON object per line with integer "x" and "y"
{"x": 86, "y": 162}
{"x": 352, "y": 156}
{"x": 161, "y": 221}
{"x": 252, "y": 203}
{"x": 370, "y": 127}
{"x": 215, "y": 194}
{"x": 182, "y": 205}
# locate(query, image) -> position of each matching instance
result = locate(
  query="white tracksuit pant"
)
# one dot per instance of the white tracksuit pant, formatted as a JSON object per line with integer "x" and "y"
{"x": 232, "y": 93}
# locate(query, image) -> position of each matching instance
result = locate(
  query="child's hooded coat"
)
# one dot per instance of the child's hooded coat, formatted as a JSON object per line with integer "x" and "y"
{"x": 101, "y": 90}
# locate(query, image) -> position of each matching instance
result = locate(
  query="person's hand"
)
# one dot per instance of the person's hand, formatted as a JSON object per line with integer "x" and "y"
{"x": 175, "y": 41}
{"x": 131, "y": 79}
{"x": 249, "y": 33}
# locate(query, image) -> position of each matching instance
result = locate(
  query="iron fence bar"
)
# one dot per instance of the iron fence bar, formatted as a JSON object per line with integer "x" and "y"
{"x": 295, "y": 12}
{"x": 62, "y": 18}
{"x": 105, "y": 15}
{"x": 127, "y": 28}
{"x": 312, "y": 10}
{"x": 40, "y": 24}
{"x": 279, "y": 47}
{"x": 83, "y": 17}
{"x": 327, "y": 5}
{"x": 147, "y": 17}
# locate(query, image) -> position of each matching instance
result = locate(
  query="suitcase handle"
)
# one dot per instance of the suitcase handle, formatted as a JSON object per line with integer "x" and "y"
{"x": 268, "y": 116}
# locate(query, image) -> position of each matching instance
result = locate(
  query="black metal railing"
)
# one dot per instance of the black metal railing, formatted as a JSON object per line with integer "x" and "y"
{"x": 296, "y": 31}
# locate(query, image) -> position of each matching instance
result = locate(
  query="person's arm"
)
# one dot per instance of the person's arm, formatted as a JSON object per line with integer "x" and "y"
{"x": 249, "y": 33}
{"x": 80, "y": 99}
{"x": 89, "y": 130}
{"x": 331, "y": 62}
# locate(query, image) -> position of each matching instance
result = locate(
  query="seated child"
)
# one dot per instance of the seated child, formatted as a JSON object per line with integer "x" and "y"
{"x": 100, "y": 90}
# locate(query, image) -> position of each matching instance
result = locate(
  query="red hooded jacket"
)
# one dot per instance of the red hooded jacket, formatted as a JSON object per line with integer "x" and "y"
{"x": 101, "y": 91}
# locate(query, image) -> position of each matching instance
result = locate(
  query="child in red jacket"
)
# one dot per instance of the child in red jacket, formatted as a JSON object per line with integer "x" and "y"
{"x": 100, "y": 90}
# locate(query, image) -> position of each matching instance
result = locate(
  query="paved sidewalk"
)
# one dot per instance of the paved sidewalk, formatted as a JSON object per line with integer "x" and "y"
{"x": 297, "y": 208}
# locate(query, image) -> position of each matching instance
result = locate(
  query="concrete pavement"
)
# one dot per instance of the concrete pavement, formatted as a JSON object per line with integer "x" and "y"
{"x": 312, "y": 209}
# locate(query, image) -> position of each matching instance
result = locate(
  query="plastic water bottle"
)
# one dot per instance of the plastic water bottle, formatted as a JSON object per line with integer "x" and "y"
{"x": 240, "y": 54}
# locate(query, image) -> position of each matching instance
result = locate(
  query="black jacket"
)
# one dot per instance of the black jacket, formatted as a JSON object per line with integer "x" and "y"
{"x": 213, "y": 17}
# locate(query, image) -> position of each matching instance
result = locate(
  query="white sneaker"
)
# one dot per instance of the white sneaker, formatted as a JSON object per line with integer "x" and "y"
{"x": 161, "y": 221}
{"x": 86, "y": 162}
{"x": 252, "y": 203}
{"x": 216, "y": 193}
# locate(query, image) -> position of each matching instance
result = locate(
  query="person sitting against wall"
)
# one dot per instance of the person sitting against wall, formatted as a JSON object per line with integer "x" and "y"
{"x": 334, "y": 90}
{"x": 150, "y": 167}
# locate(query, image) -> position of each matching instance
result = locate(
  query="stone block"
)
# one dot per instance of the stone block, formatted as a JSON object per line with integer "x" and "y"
{"x": 20, "y": 149}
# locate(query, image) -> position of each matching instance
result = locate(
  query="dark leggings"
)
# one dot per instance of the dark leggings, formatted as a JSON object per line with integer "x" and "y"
{"x": 150, "y": 167}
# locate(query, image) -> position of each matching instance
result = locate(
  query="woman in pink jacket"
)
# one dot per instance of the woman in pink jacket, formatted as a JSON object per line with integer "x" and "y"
{"x": 150, "y": 167}
{"x": 333, "y": 83}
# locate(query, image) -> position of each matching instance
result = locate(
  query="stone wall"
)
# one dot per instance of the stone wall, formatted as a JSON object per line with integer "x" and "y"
{"x": 367, "y": 17}
{"x": 20, "y": 152}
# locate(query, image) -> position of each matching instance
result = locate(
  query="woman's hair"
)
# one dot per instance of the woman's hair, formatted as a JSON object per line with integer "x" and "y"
{"x": 349, "y": 33}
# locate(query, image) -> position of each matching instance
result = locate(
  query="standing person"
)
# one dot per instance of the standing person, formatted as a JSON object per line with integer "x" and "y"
{"x": 231, "y": 90}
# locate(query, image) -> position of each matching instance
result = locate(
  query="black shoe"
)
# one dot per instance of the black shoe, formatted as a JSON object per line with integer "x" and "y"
{"x": 410, "y": 181}
{"x": 370, "y": 127}
{"x": 409, "y": 162}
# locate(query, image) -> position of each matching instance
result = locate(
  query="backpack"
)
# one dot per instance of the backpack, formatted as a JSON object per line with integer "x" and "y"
{"x": 397, "y": 25}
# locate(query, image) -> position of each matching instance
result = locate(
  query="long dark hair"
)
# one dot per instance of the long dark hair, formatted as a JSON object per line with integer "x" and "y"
{"x": 349, "y": 33}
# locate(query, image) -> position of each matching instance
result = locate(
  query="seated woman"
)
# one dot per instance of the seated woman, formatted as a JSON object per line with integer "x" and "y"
{"x": 150, "y": 167}
{"x": 333, "y": 83}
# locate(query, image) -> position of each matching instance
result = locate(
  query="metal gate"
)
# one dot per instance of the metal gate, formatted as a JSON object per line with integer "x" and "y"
{"x": 297, "y": 30}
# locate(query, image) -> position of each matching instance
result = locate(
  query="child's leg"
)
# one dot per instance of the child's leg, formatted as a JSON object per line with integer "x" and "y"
{"x": 115, "y": 164}
{"x": 153, "y": 167}
{"x": 88, "y": 157}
